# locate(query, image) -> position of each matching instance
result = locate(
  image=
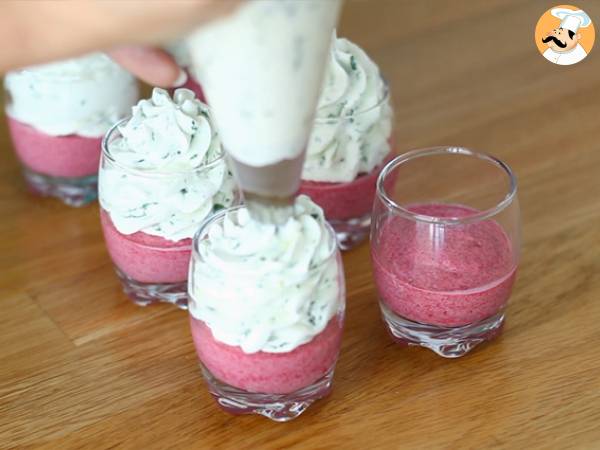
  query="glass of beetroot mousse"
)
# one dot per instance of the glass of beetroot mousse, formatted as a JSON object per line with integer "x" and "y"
{"x": 57, "y": 114}
{"x": 345, "y": 155}
{"x": 162, "y": 173}
{"x": 445, "y": 242}
{"x": 267, "y": 310}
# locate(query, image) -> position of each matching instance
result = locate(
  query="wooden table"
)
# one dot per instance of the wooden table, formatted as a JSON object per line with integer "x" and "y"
{"x": 80, "y": 366}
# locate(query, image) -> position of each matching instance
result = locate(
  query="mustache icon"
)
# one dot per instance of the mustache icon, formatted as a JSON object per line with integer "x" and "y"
{"x": 555, "y": 40}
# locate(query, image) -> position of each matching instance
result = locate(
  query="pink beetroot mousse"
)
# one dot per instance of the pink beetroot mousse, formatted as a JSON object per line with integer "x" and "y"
{"x": 454, "y": 276}
{"x": 146, "y": 258}
{"x": 70, "y": 156}
{"x": 268, "y": 373}
{"x": 351, "y": 200}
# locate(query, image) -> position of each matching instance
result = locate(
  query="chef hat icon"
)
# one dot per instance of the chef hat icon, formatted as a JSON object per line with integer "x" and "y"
{"x": 571, "y": 20}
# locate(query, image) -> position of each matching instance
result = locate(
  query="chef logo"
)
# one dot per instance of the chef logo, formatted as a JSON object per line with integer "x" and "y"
{"x": 564, "y": 35}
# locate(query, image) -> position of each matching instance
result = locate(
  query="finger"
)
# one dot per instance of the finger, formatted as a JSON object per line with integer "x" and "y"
{"x": 152, "y": 65}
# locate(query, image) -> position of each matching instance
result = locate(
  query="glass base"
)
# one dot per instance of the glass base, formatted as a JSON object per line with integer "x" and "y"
{"x": 351, "y": 232}
{"x": 277, "y": 407}
{"x": 449, "y": 342}
{"x": 144, "y": 294}
{"x": 71, "y": 191}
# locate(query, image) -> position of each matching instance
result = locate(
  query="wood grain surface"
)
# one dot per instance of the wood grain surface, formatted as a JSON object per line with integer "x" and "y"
{"x": 82, "y": 367}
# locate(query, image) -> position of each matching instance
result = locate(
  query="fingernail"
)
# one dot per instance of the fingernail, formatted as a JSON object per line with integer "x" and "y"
{"x": 181, "y": 79}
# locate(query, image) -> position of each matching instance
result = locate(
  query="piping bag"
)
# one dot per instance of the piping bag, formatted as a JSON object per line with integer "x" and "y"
{"x": 261, "y": 70}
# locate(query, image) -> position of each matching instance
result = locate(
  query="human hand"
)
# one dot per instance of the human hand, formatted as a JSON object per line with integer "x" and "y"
{"x": 129, "y": 30}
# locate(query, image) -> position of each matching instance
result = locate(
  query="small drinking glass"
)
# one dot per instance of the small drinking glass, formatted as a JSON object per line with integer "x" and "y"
{"x": 445, "y": 243}
{"x": 348, "y": 205}
{"x": 278, "y": 384}
{"x": 57, "y": 118}
{"x": 148, "y": 225}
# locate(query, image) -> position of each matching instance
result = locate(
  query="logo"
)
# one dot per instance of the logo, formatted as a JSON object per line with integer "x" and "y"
{"x": 565, "y": 35}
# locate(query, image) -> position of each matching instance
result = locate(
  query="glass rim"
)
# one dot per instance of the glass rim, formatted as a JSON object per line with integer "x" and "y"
{"x": 446, "y": 150}
{"x": 220, "y": 215}
{"x": 150, "y": 173}
{"x": 384, "y": 98}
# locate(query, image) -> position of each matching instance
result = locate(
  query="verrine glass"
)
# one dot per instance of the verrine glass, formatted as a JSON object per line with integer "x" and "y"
{"x": 149, "y": 218}
{"x": 267, "y": 313}
{"x": 445, "y": 243}
{"x": 57, "y": 114}
{"x": 342, "y": 145}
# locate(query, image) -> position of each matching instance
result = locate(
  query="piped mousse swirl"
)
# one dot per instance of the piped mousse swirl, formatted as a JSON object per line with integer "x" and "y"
{"x": 351, "y": 134}
{"x": 83, "y": 96}
{"x": 264, "y": 287}
{"x": 165, "y": 171}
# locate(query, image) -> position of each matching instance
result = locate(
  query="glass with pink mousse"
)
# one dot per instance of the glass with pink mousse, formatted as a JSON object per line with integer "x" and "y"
{"x": 350, "y": 143}
{"x": 57, "y": 115}
{"x": 162, "y": 174}
{"x": 266, "y": 310}
{"x": 445, "y": 244}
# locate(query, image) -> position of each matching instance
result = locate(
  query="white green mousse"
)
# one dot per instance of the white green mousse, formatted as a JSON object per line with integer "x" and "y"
{"x": 264, "y": 287}
{"x": 83, "y": 96}
{"x": 163, "y": 171}
{"x": 353, "y": 126}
